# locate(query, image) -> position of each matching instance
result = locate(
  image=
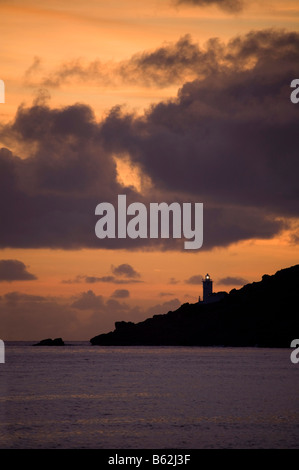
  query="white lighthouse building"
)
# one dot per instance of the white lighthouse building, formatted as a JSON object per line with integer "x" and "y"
{"x": 207, "y": 285}
{"x": 208, "y": 294}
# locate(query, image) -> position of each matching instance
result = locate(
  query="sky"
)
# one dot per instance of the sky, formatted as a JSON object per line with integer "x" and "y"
{"x": 183, "y": 101}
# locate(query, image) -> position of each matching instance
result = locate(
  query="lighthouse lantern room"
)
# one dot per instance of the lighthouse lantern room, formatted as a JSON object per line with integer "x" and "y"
{"x": 207, "y": 287}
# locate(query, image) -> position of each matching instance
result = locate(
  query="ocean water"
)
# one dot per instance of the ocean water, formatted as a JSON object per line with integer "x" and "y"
{"x": 79, "y": 396}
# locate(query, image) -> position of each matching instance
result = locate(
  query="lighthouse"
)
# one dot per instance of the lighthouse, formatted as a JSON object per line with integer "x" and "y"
{"x": 207, "y": 284}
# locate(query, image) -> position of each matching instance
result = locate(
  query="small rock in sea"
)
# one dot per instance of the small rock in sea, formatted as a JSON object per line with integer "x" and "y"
{"x": 50, "y": 342}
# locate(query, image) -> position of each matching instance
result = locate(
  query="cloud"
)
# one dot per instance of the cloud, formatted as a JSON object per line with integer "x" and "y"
{"x": 53, "y": 193}
{"x": 78, "y": 318}
{"x": 220, "y": 142}
{"x": 196, "y": 279}
{"x": 95, "y": 279}
{"x": 33, "y": 69}
{"x": 116, "y": 306}
{"x": 166, "y": 294}
{"x": 120, "y": 294}
{"x": 231, "y": 6}
{"x": 167, "y": 306}
{"x": 125, "y": 270}
{"x": 14, "y": 270}
{"x": 18, "y": 296}
{"x": 176, "y": 63}
{"x": 76, "y": 280}
{"x": 222, "y": 139}
{"x": 231, "y": 281}
{"x": 44, "y": 318}
{"x": 114, "y": 280}
{"x": 88, "y": 300}
{"x": 169, "y": 64}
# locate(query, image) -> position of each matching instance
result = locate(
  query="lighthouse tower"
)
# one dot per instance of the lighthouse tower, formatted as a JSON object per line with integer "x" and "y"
{"x": 207, "y": 284}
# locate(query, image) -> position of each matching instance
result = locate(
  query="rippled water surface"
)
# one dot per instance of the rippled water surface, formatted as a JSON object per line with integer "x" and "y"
{"x": 79, "y": 396}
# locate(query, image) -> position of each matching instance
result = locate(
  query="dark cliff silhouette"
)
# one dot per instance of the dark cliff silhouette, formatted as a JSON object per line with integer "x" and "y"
{"x": 263, "y": 314}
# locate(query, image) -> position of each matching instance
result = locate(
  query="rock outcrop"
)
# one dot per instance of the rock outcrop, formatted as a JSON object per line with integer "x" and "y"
{"x": 50, "y": 342}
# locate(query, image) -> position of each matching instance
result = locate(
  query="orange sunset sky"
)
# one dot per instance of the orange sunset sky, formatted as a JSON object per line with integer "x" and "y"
{"x": 94, "y": 91}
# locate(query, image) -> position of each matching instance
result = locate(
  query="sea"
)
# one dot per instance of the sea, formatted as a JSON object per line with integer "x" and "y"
{"x": 80, "y": 396}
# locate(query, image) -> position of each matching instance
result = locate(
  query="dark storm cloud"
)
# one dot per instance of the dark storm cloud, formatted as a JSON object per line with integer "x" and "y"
{"x": 230, "y": 140}
{"x": 120, "y": 294}
{"x": 125, "y": 270}
{"x": 196, "y": 279}
{"x": 53, "y": 193}
{"x": 233, "y": 281}
{"x": 14, "y": 270}
{"x": 170, "y": 63}
{"x": 232, "y": 6}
